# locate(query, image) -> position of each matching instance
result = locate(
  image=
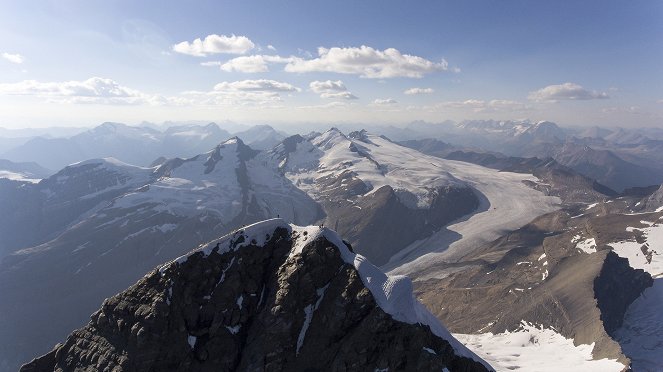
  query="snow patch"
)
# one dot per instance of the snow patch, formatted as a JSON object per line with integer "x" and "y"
{"x": 641, "y": 335}
{"x": 651, "y": 260}
{"x": 588, "y": 245}
{"x": 192, "y": 341}
{"x": 308, "y": 316}
{"x": 535, "y": 349}
{"x": 430, "y": 351}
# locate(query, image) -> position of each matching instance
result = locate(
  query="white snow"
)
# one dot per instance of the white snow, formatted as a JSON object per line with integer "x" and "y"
{"x": 193, "y": 188}
{"x": 234, "y": 329}
{"x": 308, "y": 316}
{"x": 377, "y": 163}
{"x": 508, "y": 204}
{"x": 641, "y": 334}
{"x": 239, "y": 301}
{"x": 631, "y": 250}
{"x": 535, "y": 349}
{"x": 15, "y": 176}
{"x": 588, "y": 245}
{"x": 192, "y": 341}
{"x": 591, "y": 206}
{"x": 429, "y": 350}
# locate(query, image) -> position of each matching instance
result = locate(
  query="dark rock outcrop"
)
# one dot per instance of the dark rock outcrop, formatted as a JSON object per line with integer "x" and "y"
{"x": 247, "y": 303}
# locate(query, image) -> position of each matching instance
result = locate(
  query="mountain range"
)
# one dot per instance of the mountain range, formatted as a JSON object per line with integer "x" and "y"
{"x": 475, "y": 231}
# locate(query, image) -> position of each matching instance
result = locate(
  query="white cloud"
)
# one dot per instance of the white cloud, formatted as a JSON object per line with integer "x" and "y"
{"x": 566, "y": 91}
{"x": 244, "y": 93}
{"x": 331, "y": 89}
{"x": 252, "y": 64}
{"x": 330, "y": 105}
{"x": 387, "y": 101}
{"x": 13, "y": 58}
{"x": 261, "y": 85}
{"x": 338, "y": 95}
{"x": 413, "y": 91}
{"x": 318, "y": 86}
{"x": 271, "y": 47}
{"x": 367, "y": 62}
{"x": 215, "y": 44}
{"x": 95, "y": 90}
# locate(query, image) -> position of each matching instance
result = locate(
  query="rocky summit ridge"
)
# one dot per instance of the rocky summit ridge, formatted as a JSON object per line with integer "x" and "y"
{"x": 268, "y": 297}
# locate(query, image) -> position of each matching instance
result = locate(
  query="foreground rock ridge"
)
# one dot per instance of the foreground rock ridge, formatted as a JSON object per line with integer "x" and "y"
{"x": 269, "y": 297}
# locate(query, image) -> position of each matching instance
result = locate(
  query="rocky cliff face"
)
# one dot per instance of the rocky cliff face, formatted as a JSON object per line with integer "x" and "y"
{"x": 272, "y": 297}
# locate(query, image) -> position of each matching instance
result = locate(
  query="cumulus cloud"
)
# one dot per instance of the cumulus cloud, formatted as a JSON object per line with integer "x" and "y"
{"x": 566, "y": 91}
{"x": 386, "y": 101}
{"x": 252, "y": 64}
{"x": 413, "y": 91}
{"x": 367, "y": 62}
{"x": 331, "y": 89}
{"x": 13, "y": 58}
{"x": 271, "y": 47}
{"x": 215, "y": 44}
{"x": 94, "y": 90}
{"x": 243, "y": 92}
{"x": 318, "y": 86}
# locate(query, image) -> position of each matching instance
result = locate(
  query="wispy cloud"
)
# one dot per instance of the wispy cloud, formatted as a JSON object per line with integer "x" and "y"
{"x": 243, "y": 92}
{"x": 95, "y": 90}
{"x": 338, "y": 95}
{"x": 215, "y": 44}
{"x": 566, "y": 91}
{"x": 384, "y": 101}
{"x": 367, "y": 62}
{"x": 256, "y": 85}
{"x": 413, "y": 91}
{"x": 13, "y": 58}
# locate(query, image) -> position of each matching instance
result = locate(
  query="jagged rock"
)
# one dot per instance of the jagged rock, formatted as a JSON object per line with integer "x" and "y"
{"x": 272, "y": 297}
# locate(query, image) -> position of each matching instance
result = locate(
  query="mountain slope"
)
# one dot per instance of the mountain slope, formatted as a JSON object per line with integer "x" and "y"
{"x": 127, "y": 231}
{"x": 566, "y": 272}
{"x": 269, "y": 297}
{"x": 34, "y": 213}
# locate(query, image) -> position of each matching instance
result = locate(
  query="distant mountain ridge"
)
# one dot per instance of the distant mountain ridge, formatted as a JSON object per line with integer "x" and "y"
{"x": 139, "y": 145}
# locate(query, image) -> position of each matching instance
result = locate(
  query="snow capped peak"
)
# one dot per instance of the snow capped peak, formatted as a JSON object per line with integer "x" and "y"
{"x": 233, "y": 141}
{"x": 393, "y": 294}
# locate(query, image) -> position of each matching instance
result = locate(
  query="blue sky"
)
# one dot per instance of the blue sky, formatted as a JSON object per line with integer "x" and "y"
{"x": 573, "y": 62}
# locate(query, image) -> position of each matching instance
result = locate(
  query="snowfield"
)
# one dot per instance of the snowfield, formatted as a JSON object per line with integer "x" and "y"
{"x": 535, "y": 349}
{"x": 641, "y": 335}
{"x": 507, "y": 204}
{"x": 374, "y": 160}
